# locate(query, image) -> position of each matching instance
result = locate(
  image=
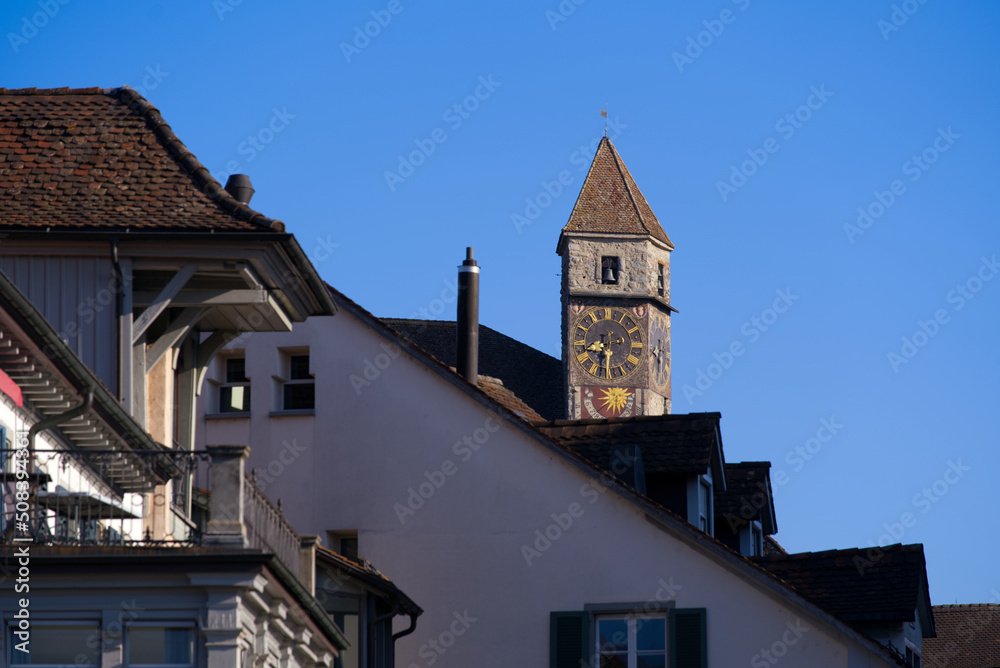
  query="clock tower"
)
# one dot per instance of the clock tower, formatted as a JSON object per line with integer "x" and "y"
{"x": 615, "y": 297}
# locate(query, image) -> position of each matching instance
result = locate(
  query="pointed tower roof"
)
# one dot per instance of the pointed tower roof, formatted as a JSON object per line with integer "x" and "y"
{"x": 610, "y": 202}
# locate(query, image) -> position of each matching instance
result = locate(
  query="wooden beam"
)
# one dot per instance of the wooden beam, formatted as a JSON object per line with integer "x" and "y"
{"x": 209, "y": 298}
{"x": 176, "y": 331}
{"x": 207, "y": 350}
{"x": 161, "y": 301}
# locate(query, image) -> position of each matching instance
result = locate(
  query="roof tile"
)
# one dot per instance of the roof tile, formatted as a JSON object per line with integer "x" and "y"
{"x": 93, "y": 159}
{"x": 610, "y": 201}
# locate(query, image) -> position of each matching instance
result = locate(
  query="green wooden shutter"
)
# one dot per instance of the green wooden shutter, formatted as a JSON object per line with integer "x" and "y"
{"x": 569, "y": 638}
{"x": 688, "y": 638}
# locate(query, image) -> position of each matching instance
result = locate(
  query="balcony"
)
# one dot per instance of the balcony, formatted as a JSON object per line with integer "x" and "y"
{"x": 81, "y": 498}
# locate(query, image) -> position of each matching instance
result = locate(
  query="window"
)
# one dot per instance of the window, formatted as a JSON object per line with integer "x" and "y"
{"x": 632, "y": 641}
{"x": 298, "y": 390}
{"x": 631, "y": 638}
{"x": 58, "y": 644}
{"x": 344, "y": 543}
{"x": 660, "y": 283}
{"x": 609, "y": 270}
{"x": 234, "y": 394}
{"x": 159, "y": 645}
{"x": 756, "y": 540}
{"x": 704, "y": 506}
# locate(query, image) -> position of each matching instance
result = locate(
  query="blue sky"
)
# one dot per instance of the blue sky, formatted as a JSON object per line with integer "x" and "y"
{"x": 755, "y": 131}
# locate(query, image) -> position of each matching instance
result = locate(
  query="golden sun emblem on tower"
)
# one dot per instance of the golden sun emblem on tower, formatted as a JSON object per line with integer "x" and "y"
{"x": 615, "y": 399}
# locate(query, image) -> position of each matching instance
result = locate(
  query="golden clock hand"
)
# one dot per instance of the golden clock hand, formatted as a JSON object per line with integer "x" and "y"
{"x": 596, "y": 346}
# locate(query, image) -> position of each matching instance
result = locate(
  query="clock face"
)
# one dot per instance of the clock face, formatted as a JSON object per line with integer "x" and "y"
{"x": 607, "y": 343}
{"x": 659, "y": 352}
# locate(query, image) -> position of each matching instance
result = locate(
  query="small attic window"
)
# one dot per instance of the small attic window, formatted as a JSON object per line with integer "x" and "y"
{"x": 609, "y": 270}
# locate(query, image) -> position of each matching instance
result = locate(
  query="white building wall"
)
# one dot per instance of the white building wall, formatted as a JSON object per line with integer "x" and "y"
{"x": 386, "y": 425}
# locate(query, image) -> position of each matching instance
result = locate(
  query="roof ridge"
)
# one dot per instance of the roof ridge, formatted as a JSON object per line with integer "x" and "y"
{"x": 63, "y": 90}
{"x": 203, "y": 179}
{"x": 622, "y": 171}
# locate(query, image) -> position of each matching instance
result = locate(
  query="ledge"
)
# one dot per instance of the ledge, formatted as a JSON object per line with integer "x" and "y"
{"x": 300, "y": 411}
{"x": 223, "y": 416}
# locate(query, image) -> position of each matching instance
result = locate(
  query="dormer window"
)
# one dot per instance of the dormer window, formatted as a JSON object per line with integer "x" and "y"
{"x": 609, "y": 270}
{"x": 705, "y": 506}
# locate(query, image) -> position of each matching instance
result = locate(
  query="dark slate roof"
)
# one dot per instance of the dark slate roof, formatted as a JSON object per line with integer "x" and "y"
{"x": 772, "y": 546}
{"x": 669, "y": 443}
{"x": 528, "y": 373}
{"x": 745, "y": 482}
{"x": 610, "y": 201}
{"x": 104, "y": 159}
{"x": 858, "y": 584}
{"x": 968, "y": 636}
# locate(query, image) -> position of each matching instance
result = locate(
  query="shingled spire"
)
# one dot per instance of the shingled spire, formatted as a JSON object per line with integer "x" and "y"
{"x": 610, "y": 201}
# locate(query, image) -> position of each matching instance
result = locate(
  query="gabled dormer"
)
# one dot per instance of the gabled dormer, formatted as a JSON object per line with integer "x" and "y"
{"x": 680, "y": 457}
{"x": 745, "y": 510}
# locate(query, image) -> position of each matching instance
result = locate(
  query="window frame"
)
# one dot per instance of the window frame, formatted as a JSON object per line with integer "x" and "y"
{"x": 632, "y": 620}
{"x": 227, "y": 384}
{"x": 11, "y": 626}
{"x": 284, "y": 378}
{"x": 159, "y": 623}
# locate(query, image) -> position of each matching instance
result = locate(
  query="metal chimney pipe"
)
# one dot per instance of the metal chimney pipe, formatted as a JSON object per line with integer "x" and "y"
{"x": 468, "y": 319}
{"x": 238, "y": 185}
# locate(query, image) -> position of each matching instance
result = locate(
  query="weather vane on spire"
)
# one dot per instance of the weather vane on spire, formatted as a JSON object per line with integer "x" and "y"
{"x": 604, "y": 113}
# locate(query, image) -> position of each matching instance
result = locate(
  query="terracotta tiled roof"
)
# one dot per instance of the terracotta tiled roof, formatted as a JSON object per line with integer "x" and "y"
{"x": 610, "y": 201}
{"x": 669, "y": 443}
{"x": 364, "y": 571}
{"x": 104, "y": 159}
{"x": 857, "y": 584}
{"x": 528, "y": 373}
{"x": 494, "y": 387}
{"x": 968, "y": 636}
{"x": 745, "y": 482}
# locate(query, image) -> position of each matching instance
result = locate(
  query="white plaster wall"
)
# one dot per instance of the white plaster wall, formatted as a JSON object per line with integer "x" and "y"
{"x": 376, "y": 437}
